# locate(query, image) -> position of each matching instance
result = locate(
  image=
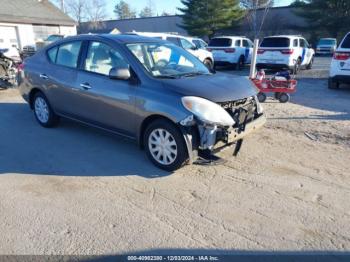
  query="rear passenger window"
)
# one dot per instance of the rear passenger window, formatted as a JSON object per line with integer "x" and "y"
{"x": 346, "y": 42}
{"x": 302, "y": 43}
{"x": 68, "y": 54}
{"x": 295, "y": 43}
{"x": 246, "y": 43}
{"x": 238, "y": 43}
{"x": 52, "y": 54}
{"x": 186, "y": 44}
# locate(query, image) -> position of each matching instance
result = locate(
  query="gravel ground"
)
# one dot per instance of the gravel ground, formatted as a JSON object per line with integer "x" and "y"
{"x": 77, "y": 190}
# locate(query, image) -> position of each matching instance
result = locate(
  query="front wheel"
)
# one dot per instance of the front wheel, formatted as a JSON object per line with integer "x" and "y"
{"x": 43, "y": 111}
{"x": 261, "y": 97}
{"x": 309, "y": 66}
{"x": 165, "y": 145}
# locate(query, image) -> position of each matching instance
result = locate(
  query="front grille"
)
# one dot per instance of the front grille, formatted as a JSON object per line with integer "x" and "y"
{"x": 241, "y": 110}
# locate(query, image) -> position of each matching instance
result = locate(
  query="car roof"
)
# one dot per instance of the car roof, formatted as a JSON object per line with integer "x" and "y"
{"x": 231, "y": 37}
{"x": 286, "y": 36}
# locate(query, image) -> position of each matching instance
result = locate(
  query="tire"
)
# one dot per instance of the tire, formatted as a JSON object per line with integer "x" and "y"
{"x": 333, "y": 84}
{"x": 208, "y": 63}
{"x": 240, "y": 63}
{"x": 277, "y": 95}
{"x": 261, "y": 97}
{"x": 309, "y": 66}
{"x": 296, "y": 67}
{"x": 43, "y": 112}
{"x": 175, "y": 150}
{"x": 284, "y": 97}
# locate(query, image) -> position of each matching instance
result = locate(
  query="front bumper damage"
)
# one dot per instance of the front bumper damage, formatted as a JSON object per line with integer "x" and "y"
{"x": 203, "y": 137}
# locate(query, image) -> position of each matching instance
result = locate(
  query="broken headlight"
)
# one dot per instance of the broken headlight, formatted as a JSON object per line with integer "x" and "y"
{"x": 207, "y": 111}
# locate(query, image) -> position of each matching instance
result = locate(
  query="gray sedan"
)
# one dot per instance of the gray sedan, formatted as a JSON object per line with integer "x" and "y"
{"x": 146, "y": 89}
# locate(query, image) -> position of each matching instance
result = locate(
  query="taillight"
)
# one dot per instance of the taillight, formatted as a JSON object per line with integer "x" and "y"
{"x": 287, "y": 51}
{"x": 230, "y": 50}
{"x": 341, "y": 56}
{"x": 261, "y": 51}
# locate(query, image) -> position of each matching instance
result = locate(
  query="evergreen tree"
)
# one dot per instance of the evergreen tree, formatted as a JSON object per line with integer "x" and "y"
{"x": 124, "y": 11}
{"x": 332, "y": 16}
{"x": 146, "y": 12}
{"x": 206, "y": 17}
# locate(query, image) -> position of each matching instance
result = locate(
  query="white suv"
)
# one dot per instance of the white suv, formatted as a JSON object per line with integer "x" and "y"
{"x": 185, "y": 42}
{"x": 285, "y": 52}
{"x": 235, "y": 50}
{"x": 340, "y": 66}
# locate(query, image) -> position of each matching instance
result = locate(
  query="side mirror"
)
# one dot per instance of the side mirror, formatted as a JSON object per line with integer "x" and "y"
{"x": 120, "y": 73}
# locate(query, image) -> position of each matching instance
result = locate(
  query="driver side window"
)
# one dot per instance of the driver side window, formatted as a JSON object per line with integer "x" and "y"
{"x": 101, "y": 58}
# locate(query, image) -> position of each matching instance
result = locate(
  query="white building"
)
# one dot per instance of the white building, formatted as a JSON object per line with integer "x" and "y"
{"x": 26, "y": 22}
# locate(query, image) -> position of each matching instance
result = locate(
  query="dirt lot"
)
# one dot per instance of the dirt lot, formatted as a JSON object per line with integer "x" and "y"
{"x": 77, "y": 190}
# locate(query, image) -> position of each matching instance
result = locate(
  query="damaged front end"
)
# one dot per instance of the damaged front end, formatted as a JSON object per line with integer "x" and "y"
{"x": 206, "y": 136}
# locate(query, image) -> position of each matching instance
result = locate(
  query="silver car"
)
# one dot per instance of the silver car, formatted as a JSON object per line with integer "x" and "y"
{"x": 146, "y": 89}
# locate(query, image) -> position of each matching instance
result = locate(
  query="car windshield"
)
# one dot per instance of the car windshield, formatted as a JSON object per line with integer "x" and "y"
{"x": 346, "y": 42}
{"x": 275, "y": 42}
{"x": 164, "y": 60}
{"x": 220, "y": 42}
{"x": 327, "y": 42}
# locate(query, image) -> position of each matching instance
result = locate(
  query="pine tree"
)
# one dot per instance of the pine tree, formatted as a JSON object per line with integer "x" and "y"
{"x": 123, "y": 10}
{"x": 206, "y": 17}
{"x": 332, "y": 16}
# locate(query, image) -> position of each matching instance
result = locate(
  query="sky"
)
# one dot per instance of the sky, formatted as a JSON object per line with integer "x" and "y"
{"x": 163, "y": 5}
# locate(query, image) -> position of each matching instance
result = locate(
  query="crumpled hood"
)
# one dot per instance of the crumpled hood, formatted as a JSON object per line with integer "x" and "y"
{"x": 219, "y": 87}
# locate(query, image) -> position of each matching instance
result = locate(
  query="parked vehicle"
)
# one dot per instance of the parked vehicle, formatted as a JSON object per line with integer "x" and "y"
{"x": 340, "y": 66}
{"x": 186, "y": 43}
{"x": 234, "y": 50}
{"x": 285, "y": 52}
{"x": 326, "y": 46}
{"x": 29, "y": 50}
{"x": 8, "y": 69}
{"x": 146, "y": 89}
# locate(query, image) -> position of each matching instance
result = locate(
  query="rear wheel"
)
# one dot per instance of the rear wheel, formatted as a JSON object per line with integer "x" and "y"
{"x": 209, "y": 64}
{"x": 296, "y": 67}
{"x": 332, "y": 84}
{"x": 165, "y": 145}
{"x": 43, "y": 111}
{"x": 240, "y": 63}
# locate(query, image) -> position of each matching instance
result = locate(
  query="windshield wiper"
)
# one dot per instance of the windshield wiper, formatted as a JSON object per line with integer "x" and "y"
{"x": 167, "y": 76}
{"x": 192, "y": 74}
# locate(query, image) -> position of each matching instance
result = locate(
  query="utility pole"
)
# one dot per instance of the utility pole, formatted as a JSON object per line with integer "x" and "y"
{"x": 62, "y": 6}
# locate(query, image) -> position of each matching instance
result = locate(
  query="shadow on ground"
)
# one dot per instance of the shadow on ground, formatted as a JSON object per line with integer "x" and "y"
{"x": 70, "y": 149}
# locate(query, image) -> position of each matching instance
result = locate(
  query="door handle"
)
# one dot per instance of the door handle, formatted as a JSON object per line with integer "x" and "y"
{"x": 43, "y": 76}
{"x": 86, "y": 86}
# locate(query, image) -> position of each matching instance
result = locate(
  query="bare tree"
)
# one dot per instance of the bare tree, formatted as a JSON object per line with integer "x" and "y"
{"x": 96, "y": 11}
{"x": 77, "y": 9}
{"x": 252, "y": 7}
